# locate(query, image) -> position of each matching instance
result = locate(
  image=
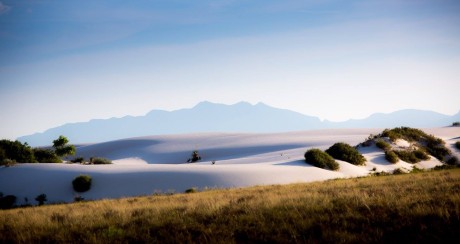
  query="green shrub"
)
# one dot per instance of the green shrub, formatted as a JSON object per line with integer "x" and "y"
{"x": 100, "y": 161}
{"x": 78, "y": 160}
{"x": 321, "y": 159}
{"x": 82, "y": 183}
{"x": 456, "y": 124}
{"x": 191, "y": 190}
{"x": 46, "y": 156}
{"x": 407, "y": 156}
{"x": 457, "y": 145}
{"x": 345, "y": 152}
{"x": 7, "y": 162}
{"x": 61, "y": 148}
{"x": 383, "y": 145}
{"x": 16, "y": 151}
{"x": 391, "y": 157}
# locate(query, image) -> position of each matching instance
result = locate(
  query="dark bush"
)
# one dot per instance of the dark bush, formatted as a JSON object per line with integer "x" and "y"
{"x": 7, "y": 202}
{"x": 191, "y": 190}
{"x": 345, "y": 152}
{"x": 398, "y": 171}
{"x": 391, "y": 157}
{"x": 383, "y": 145}
{"x": 16, "y": 151}
{"x": 452, "y": 161}
{"x": 195, "y": 157}
{"x": 46, "y": 156}
{"x": 321, "y": 159}
{"x": 78, "y": 160}
{"x": 41, "y": 199}
{"x": 82, "y": 183}
{"x": 456, "y": 124}
{"x": 457, "y": 145}
{"x": 7, "y": 162}
{"x": 407, "y": 156}
{"x": 100, "y": 161}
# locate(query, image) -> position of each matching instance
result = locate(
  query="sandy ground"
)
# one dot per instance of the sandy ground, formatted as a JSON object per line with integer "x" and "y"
{"x": 157, "y": 164}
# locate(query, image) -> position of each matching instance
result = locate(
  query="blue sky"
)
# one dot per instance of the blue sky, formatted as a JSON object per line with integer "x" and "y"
{"x": 72, "y": 61}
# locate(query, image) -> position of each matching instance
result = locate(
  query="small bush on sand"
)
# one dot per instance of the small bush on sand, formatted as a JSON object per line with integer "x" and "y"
{"x": 414, "y": 156}
{"x": 398, "y": 171}
{"x": 457, "y": 145}
{"x": 456, "y": 124}
{"x": 383, "y": 145}
{"x": 100, "y": 161}
{"x": 191, "y": 190}
{"x": 82, "y": 183}
{"x": 78, "y": 160}
{"x": 391, "y": 157}
{"x": 345, "y": 152}
{"x": 7, "y": 201}
{"x": 321, "y": 159}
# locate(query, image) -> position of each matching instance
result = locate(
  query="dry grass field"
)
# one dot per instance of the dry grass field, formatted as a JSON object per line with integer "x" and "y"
{"x": 418, "y": 207}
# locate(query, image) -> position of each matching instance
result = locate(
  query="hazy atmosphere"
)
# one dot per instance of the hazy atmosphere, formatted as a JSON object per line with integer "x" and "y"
{"x": 71, "y": 61}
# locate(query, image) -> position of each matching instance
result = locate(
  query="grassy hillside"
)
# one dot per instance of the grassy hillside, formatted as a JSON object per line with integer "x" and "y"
{"x": 421, "y": 207}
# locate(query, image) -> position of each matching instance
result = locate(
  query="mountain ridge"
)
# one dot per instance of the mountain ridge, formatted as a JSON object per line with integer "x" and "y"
{"x": 214, "y": 117}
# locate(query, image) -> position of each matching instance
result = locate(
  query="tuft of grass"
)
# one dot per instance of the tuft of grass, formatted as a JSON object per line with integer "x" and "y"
{"x": 423, "y": 207}
{"x": 100, "y": 161}
{"x": 320, "y": 159}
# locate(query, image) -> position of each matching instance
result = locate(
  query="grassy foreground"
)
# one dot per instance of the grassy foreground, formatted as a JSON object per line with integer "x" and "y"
{"x": 422, "y": 207}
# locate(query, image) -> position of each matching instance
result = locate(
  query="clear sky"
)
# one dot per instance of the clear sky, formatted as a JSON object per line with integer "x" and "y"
{"x": 72, "y": 61}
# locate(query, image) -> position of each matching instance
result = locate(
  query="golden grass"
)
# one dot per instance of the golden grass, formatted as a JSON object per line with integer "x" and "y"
{"x": 422, "y": 207}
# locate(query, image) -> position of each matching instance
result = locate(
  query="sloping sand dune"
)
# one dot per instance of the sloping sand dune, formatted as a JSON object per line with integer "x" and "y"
{"x": 157, "y": 164}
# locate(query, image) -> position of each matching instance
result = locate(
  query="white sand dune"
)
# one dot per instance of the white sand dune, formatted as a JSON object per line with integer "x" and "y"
{"x": 156, "y": 164}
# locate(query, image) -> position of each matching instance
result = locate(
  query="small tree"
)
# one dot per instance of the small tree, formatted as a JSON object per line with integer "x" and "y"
{"x": 61, "y": 148}
{"x": 41, "y": 199}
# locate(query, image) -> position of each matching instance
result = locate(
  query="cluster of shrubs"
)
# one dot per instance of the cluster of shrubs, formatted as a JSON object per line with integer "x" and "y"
{"x": 340, "y": 150}
{"x": 426, "y": 144}
{"x": 9, "y": 201}
{"x": 15, "y": 151}
{"x": 456, "y": 124}
{"x": 92, "y": 160}
{"x": 457, "y": 145}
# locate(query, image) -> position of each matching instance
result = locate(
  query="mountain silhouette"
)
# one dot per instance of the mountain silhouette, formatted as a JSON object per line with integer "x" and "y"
{"x": 213, "y": 117}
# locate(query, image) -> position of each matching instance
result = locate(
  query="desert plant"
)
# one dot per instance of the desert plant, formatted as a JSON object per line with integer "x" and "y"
{"x": 46, "y": 156}
{"x": 457, "y": 145}
{"x": 321, "y": 159}
{"x": 41, "y": 199}
{"x": 195, "y": 157}
{"x": 391, "y": 156}
{"x": 191, "y": 190}
{"x": 7, "y": 202}
{"x": 7, "y": 162}
{"x": 345, "y": 152}
{"x": 61, "y": 147}
{"x": 78, "y": 160}
{"x": 100, "y": 161}
{"x": 456, "y": 124}
{"x": 398, "y": 171}
{"x": 82, "y": 183}
{"x": 383, "y": 144}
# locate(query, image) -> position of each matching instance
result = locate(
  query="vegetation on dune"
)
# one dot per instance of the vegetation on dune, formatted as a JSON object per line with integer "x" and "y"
{"x": 82, "y": 183}
{"x": 383, "y": 144}
{"x": 320, "y": 159}
{"x": 423, "y": 207}
{"x": 456, "y": 124}
{"x": 15, "y": 151}
{"x": 457, "y": 145}
{"x": 100, "y": 160}
{"x": 412, "y": 156}
{"x": 345, "y": 152}
{"x": 391, "y": 156}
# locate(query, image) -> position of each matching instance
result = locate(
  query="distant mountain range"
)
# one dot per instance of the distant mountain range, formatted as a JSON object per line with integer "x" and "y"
{"x": 212, "y": 117}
